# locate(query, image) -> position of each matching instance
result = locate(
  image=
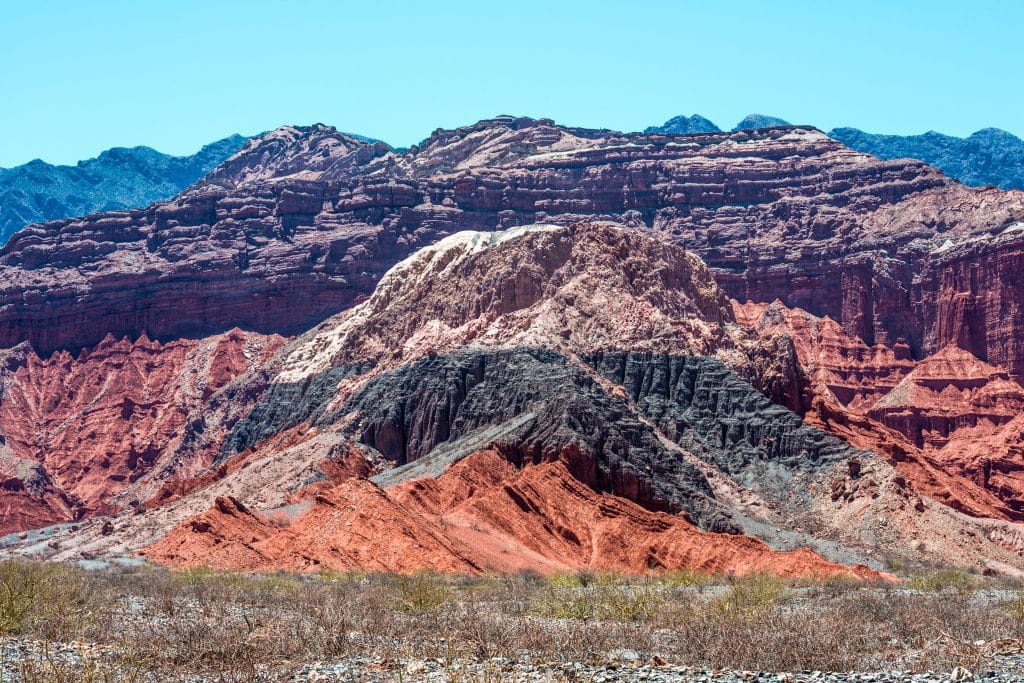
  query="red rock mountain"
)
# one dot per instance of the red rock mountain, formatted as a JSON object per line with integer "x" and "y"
{"x": 302, "y": 222}
{"x": 358, "y": 364}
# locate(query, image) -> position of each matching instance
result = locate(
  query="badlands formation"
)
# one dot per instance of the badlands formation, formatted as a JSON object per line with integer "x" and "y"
{"x": 524, "y": 346}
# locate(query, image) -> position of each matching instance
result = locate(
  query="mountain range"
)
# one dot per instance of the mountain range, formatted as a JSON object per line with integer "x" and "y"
{"x": 119, "y": 178}
{"x": 520, "y": 345}
{"x": 126, "y": 178}
{"x": 988, "y": 157}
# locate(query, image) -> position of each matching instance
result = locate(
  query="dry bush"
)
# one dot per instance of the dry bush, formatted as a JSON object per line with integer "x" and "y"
{"x": 51, "y": 601}
{"x": 421, "y": 592}
{"x": 751, "y": 594}
{"x": 81, "y": 667}
{"x": 237, "y": 626}
{"x": 955, "y": 580}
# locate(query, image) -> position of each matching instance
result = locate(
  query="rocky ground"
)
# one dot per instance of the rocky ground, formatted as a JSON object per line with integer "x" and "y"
{"x": 24, "y": 660}
{"x": 143, "y": 624}
{"x": 500, "y": 669}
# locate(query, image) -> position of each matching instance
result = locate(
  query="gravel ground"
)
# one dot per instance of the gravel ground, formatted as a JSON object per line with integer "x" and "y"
{"x": 501, "y": 670}
{"x": 59, "y": 661}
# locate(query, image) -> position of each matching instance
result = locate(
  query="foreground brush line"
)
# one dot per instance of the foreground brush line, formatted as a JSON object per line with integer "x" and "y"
{"x": 61, "y": 623}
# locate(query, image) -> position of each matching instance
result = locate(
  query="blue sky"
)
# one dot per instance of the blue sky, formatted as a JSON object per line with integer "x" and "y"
{"x": 79, "y": 77}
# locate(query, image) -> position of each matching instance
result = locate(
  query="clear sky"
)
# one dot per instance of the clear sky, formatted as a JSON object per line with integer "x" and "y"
{"x": 79, "y": 77}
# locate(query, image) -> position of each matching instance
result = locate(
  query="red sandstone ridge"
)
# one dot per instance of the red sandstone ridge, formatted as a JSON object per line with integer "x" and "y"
{"x": 480, "y": 515}
{"x": 96, "y": 426}
{"x": 834, "y": 363}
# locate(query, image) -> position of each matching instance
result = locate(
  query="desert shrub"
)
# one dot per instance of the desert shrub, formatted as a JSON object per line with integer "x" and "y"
{"x": 580, "y": 579}
{"x": 48, "y": 666}
{"x": 752, "y": 593}
{"x": 196, "y": 576}
{"x": 564, "y": 602}
{"x": 52, "y": 600}
{"x": 22, "y": 585}
{"x": 679, "y": 578}
{"x": 955, "y": 580}
{"x": 896, "y": 565}
{"x": 236, "y": 626}
{"x": 348, "y": 577}
{"x": 421, "y": 592}
{"x": 606, "y": 597}
{"x": 629, "y": 602}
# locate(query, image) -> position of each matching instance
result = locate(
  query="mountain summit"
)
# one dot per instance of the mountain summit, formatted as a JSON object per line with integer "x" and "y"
{"x": 685, "y": 124}
{"x": 754, "y": 121}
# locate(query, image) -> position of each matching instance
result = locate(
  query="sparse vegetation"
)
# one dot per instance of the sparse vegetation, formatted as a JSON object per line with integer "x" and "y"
{"x": 128, "y": 624}
{"x": 955, "y": 580}
{"x": 421, "y": 592}
{"x": 751, "y": 594}
{"x": 49, "y": 600}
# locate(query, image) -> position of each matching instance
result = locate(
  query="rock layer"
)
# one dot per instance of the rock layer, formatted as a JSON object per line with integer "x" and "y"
{"x": 302, "y": 222}
{"x": 949, "y": 422}
{"x": 600, "y": 367}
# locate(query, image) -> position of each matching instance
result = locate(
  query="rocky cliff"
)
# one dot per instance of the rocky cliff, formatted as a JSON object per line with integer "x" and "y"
{"x": 87, "y": 434}
{"x": 777, "y": 213}
{"x": 949, "y": 422}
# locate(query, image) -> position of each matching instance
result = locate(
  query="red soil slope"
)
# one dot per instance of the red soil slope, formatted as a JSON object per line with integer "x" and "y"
{"x": 482, "y": 514}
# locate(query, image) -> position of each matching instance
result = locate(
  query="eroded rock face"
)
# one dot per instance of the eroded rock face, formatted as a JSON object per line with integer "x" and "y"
{"x": 93, "y": 431}
{"x": 618, "y": 435}
{"x": 701, "y": 405}
{"x": 948, "y": 391}
{"x": 606, "y": 351}
{"x": 971, "y": 295}
{"x": 538, "y": 407}
{"x": 579, "y": 288}
{"x": 949, "y": 422}
{"x": 830, "y": 361}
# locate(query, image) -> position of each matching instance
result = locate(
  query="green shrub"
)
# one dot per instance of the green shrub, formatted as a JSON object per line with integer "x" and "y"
{"x": 565, "y": 603}
{"x": 53, "y": 599}
{"x": 605, "y": 597}
{"x": 421, "y": 592}
{"x": 955, "y": 580}
{"x": 580, "y": 579}
{"x": 629, "y": 602}
{"x": 752, "y": 594}
{"x": 684, "y": 577}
